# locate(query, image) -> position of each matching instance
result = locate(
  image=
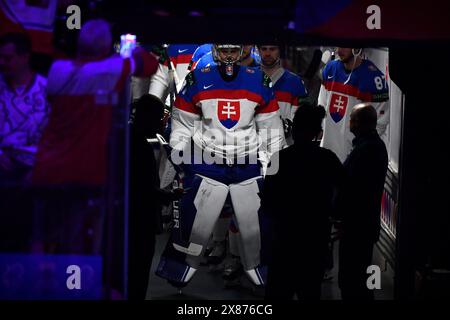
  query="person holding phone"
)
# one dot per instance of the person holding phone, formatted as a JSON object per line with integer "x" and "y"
{"x": 71, "y": 163}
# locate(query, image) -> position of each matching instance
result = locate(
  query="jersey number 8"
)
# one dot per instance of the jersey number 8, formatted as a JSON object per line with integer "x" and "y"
{"x": 379, "y": 83}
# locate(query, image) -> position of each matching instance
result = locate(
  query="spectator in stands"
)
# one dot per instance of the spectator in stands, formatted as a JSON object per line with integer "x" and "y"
{"x": 23, "y": 115}
{"x": 72, "y": 169}
{"x": 23, "y": 108}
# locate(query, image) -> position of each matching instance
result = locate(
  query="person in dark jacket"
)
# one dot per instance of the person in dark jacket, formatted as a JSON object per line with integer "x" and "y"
{"x": 359, "y": 203}
{"x": 298, "y": 200}
{"x": 146, "y": 197}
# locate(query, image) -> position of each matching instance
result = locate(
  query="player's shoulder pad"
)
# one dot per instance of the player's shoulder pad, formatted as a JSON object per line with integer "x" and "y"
{"x": 190, "y": 78}
{"x": 266, "y": 80}
{"x": 332, "y": 65}
{"x": 372, "y": 69}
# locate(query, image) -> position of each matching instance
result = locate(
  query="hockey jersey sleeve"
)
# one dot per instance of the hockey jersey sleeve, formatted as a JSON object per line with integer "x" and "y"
{"x": 300, "y": 96}
{"x": 160, "y": 83}
{"x": 377, "y": 92}
{"x": 268, "y": 123}
{"x": 185, "y": 114}
{"x": 323, "y": 93}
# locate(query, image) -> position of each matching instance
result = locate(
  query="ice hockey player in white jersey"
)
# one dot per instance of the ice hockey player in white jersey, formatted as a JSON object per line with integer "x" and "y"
{"x": 225, "y": 125}
{"x": 345, "y": 83}
{"x": 165, "y": 84}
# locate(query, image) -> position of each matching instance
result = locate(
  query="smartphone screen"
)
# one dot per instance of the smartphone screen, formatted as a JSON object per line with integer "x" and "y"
{"x": 127, "y": 45}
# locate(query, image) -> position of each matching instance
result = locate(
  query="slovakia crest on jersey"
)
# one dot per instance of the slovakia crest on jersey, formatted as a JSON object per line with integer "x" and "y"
{"x": 338, "y": 106}
{"x": 228, "y": 113}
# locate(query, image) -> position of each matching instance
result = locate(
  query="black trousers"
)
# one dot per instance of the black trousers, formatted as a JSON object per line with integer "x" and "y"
{"x": 144, "y": 222}
{"x": 355, "y": 255}
{"x": 298, "y": 272}
{"x": 141, "y": 248}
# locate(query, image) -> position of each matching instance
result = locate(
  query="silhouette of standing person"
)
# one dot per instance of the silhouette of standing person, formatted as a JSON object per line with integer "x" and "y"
{"x": 298, "y": 200}
{"x": 359, "y": 203}
{"x": 146, "y": 198}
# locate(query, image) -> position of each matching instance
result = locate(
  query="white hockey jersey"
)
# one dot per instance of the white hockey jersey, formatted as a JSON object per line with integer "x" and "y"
{"x": 180, "y": 56}
{"x": 340, "y": 92}
{"x": 229, "y": 119}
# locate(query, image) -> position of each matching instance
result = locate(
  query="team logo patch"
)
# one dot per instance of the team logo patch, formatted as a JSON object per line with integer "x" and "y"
{"x": 228, "y": 113}
{"x": 206, "y": 69}
{"x": 338, "y": 106}
{"x": 249, "y": 70}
